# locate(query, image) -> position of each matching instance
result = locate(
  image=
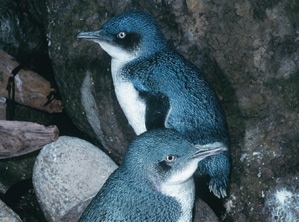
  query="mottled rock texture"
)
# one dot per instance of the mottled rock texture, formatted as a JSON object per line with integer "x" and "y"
{"x": 67, "y": 173}
{"x": 7, "y": 215}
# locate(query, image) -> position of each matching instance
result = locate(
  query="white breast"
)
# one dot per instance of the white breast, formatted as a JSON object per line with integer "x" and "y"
{"x": 184, "y": 193}
{"x": 180, "y": 185}
{"x": 128, "y": 97}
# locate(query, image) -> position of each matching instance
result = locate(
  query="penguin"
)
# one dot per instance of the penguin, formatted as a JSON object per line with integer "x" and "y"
{"x": 155, "y": 181}
{"x": 157, "y": 87}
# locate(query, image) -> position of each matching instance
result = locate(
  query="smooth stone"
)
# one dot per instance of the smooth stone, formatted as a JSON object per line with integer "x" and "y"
{"x": 67, "y": 173}
{"x": 7, "y": 214}
{"x": 203, "y": 212}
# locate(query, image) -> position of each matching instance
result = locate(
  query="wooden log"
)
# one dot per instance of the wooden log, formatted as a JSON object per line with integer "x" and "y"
{"x": 31, "y": 89}
{"x": 19, "y": 138}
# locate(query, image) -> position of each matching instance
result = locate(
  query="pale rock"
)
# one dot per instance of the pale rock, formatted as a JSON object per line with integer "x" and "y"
{"x": 67, "y": 175}
{"x": 7, "y": 214}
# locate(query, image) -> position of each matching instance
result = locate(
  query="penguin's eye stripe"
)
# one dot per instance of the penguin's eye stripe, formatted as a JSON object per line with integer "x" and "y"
{"x": 121, "y": 35}
{"x": 170, "y": 158}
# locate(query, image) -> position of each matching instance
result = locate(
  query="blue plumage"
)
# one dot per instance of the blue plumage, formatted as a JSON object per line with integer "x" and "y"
{"x": 157, "y": 87}
{"x": 154, "y": 183}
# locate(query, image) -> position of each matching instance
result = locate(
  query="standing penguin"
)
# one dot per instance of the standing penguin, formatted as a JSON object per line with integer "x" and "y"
{"x": 155, "y": 181}
{"x": 157, "y": 87}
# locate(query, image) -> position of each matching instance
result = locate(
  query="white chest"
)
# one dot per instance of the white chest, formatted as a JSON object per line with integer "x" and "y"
{"x": 184, "y": 193}
{"x": 128, "y": 97}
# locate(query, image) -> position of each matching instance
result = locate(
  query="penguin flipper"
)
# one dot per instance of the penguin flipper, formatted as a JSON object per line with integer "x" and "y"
{"x": 157, "y": 109}
{"x": 218, "y": 178}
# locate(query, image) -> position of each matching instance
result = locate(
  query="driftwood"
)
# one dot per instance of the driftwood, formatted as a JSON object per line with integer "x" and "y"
{"x": 19, "y": 138}
{"x": 31, "y": 89}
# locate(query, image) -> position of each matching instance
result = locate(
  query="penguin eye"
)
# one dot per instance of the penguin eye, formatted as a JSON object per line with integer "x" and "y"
{"x": 121, "y": 35}
{"x": 170, "y": 158}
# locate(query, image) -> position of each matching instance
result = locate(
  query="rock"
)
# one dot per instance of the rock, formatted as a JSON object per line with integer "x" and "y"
{"x": 75, "y": 213}
{"x": 2, "y": 108}
{"x": 203, "y": 212}
{"x": 282, "y": 201}
{"x": 7, "y": 214}
{"x": 67, "y": 173}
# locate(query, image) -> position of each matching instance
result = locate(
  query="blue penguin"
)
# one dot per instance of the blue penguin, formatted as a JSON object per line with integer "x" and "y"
{"x": 156, "y": 87}
{"x": 155, "y": 181}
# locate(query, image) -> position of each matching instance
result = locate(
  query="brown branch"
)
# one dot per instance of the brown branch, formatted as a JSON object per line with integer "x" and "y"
{"x": 31, "y": 89}
{"x": 18, "y": 138}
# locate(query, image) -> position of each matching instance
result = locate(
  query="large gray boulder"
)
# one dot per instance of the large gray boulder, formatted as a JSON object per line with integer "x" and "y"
{"x": 67, "y": 175}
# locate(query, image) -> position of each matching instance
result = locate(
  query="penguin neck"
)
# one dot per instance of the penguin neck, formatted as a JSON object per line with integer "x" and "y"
{"x": 184, "y": 194}
{"x": 116, "y": 67}
{"x": 128, "y": 97}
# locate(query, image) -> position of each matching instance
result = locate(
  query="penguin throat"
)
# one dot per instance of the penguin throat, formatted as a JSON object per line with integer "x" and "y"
{"x": 128, "y": 97}
{"x": 118, "y": 52}
{"x": 184, "y": 194}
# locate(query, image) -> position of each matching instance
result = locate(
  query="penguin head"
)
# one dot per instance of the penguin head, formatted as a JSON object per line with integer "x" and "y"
{"x": 163, "y": 156}
{"x": 128, "y": 36}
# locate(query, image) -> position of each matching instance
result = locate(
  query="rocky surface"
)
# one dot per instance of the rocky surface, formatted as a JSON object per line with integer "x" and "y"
{"x": 7, "y": 215}
{"x": 67, "y": 173}
{"x": 203, "y": 212}
{"x": 248, "y": 49}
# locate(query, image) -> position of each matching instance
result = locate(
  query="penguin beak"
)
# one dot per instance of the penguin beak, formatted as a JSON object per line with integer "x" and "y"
{"x": 93, "y": 35}
{"x": 203, "y": 151}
